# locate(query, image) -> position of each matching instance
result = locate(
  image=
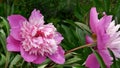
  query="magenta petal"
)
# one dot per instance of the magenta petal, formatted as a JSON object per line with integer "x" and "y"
{"x": 36, "y": 17}
{"x": 89, "y": 39}
{"x": 93, "y": 19}
{"x": 15, "y": 20}
{"x": 103, "y": 24}
{"x": 12, "y": 44}
{"x": 92, "y": 62}
{"x": 27, "y": 57}
{"x": 101, "y": 40}
{"x": 106, "y": 57}
{"x": 15, "y": 32}
{"x": 58, "y": 37}
{"x": 102, "y": 37}
{"x": 58, "y": 57}
{"x": 39, "y": 59}
{"x": 105, "y": 21}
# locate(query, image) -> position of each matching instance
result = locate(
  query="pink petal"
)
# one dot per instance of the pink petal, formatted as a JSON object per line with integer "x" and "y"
{"x": 36, "y": 17}
{"x": 39, "y": 59}
{"x": 89, "y": 39}
{"x": 93, "y": 19}
{"x": 102, "y": 37}
{"x": 27, "y": 57}
{"x": 106, "y": 57}
{"x": 103, "y": 24}
{"x": 58, "y": 57}
{"x": 58, "y": 37}
{"x": 92, "y": 62}
{"x": 15, "y": 20}
{"x": 105, "y": 21}
{"x": 101, "y": 40}
{"x": 12, "y": 44}
{"x": 15, "y": 32}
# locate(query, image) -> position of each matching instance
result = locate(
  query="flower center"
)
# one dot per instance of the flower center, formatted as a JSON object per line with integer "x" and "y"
{"x": 94, "y": 37}
{"x": 35, "y": 40}
{"x": 38, "y": 33}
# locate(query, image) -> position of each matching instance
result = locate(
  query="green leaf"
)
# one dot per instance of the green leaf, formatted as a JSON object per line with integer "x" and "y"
{"x": 83, "y": 26}
{"x": 3, "y": 40}
{"x": 116, "y": 64}
{"x": 81, "y": 36}
{"x": 42, "y": 66}
{"x": 5, "y": 25}
{"x": 97, "y": 3}
{"x": 15, "y": 60}
{"x": 78, "y": 67}
{"x": 117, "y": 12}
{"x": 67, "y": 33}
{"x": 78, "y": 15}
{"x": 106, "y": 5}
{"x": 72, "y": 60}
{"x": 2, "y": 59}
{"x": 99, "y": 58}
{"x": 70, "y": 22}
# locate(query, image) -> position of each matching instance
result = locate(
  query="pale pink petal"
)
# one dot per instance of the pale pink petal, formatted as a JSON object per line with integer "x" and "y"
{"x": 15, "y": 20}
{"x": 89, "y": 39}
{"x": 92, "y": 62}
{"x": 40, "y": 59}
{"x": 58, "y": 37}
{"x": 116, "y": 51}
{"x": 106, "y": 57}
{"x": 58, "y": 57}
{"x": 27, "y": 57}
{"x": 12, "y": 44}
{"x": 93, "y": 19}
{"x": 15, "y": 32}
{"x": 36, "y": 17}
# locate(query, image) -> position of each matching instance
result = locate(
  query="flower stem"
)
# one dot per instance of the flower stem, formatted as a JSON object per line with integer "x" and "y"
{"x": 83, "y": 46}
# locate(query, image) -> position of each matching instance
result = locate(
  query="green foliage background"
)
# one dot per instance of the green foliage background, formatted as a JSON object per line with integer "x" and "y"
{"x": 70, "y": 17}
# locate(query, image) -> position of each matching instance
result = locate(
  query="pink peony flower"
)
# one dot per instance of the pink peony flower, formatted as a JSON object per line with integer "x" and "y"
{"x": 34, "y": 40}
{"x": 107, "y": 36}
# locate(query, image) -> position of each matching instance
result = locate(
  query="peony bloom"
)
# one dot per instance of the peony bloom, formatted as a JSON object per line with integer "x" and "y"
{"x": 34, "y": 40}
{"x": 107, "y": 36}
